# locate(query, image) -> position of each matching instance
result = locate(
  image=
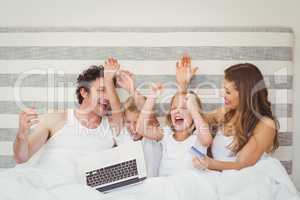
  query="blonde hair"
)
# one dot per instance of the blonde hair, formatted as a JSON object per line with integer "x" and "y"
{"x": 130, "y": 105}
{"x": 168, "y": 116}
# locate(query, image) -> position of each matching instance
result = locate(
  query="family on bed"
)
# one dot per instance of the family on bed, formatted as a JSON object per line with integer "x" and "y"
{"x": 233, "y": 137}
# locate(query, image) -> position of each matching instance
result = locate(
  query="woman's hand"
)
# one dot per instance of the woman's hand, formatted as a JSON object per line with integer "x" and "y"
{"x": 184, "y": 72}
{"x": 111, "y": 67}
{"x": 201, "y": 164}
{"x": 125, "y": 80}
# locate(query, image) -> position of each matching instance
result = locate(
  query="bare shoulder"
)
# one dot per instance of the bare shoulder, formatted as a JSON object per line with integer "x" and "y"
{"x": 264, "y": 133}
{"x": 53, "y": 120}
{"x": 265, "y": 124}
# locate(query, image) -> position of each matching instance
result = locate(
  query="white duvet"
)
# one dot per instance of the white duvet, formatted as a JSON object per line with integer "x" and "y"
{"x": 267, "y": 180}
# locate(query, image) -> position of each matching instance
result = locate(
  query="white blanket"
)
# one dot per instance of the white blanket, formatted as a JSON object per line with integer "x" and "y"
{"x": 267, "y": 180}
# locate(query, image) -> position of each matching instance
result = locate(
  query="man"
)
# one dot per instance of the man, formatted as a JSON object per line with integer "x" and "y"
{"x": 95, "y": 92}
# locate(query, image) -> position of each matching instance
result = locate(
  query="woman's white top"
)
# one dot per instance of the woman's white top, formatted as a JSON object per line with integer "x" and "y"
{"x": 176, "y": 155}
{"x": 220, "y": 148}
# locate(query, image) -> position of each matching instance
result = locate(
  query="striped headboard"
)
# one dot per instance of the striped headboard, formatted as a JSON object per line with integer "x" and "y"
{"x": 41, "y": 65}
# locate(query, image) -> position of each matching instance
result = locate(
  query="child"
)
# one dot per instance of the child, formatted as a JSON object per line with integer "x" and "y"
{"x": 186, "y": 127}
{"x": 129, "y": 133}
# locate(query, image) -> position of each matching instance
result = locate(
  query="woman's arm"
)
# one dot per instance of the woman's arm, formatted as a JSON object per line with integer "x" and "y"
{"x": 260, "y": 142}
{"x": 144, "y": 126}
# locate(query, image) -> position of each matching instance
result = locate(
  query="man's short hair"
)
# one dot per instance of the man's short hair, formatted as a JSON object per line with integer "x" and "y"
{"x": 86, "y": 77}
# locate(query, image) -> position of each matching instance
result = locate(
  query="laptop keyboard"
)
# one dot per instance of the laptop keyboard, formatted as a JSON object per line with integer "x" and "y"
{"x": 112, "y": 173}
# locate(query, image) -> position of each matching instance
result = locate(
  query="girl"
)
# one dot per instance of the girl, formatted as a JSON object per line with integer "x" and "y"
{"x": 250, "y": 129}
{"x": 186, "y": 128}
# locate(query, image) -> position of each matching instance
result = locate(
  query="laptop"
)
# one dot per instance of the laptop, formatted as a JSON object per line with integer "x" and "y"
{"x": 115, "y": 168}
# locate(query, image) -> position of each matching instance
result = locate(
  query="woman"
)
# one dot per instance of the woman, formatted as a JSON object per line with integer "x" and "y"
{"x": 247, "y": 128}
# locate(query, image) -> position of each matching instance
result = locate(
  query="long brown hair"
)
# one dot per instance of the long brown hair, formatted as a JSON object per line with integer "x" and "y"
{"x": 253, "y": 104}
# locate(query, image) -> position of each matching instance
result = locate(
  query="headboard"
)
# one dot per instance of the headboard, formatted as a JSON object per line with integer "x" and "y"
{"x": 40, "y": 64}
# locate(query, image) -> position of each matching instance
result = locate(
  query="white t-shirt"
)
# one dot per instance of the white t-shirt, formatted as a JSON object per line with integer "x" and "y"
{"x": 176, "y": 155}
{"x": 152, "y": 151}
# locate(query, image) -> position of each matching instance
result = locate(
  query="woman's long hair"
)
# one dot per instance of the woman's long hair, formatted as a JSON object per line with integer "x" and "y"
{"x": 253, "y": 104}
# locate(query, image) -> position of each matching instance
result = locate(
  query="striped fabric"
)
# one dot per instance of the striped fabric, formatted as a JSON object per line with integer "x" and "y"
{"x": 41, "y": 64}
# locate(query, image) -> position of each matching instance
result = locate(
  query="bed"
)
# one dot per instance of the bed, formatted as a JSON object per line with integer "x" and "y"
{"x": 40, "y": 64}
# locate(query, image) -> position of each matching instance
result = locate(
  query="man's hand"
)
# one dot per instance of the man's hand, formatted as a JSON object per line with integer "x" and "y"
{"x": 27, "y": 118}
{"x": 111, "y": 67}
{"x": 184, "y": 72}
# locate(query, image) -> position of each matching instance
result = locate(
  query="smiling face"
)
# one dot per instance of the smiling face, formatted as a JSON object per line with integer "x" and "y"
{"x": 95, "y": 99}
{"x": 130, "y": 123}
{"x": 180, "y": 117}
{"x": 231, "y": 95}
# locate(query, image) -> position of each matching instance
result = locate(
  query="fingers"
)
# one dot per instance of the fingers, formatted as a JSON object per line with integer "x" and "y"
{"x": 157, "y": 89}
{"x": 29, "y": 111}
{"x": 33, "y": 122}
{"x": 28, "y": 117}
{"x": 185, "y": 61}
{"x": 196, "y": 163}
{"x": 112, "y": 62}
{"x": 31, "y": 117}
{"x": 199, "y": 163}
{"x": 177, "y": 65}
{"x": 158, "y": 86}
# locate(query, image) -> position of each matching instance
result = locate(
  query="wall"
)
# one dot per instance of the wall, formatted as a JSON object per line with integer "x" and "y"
{"x": 164, "y": 13}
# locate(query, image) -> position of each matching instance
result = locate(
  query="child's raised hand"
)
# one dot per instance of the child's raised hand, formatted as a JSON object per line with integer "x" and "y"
{"x": 125, "y": 80}
{"x": 111, "y": 67}
{"x": 156, "y": 90}
{"x": 184, "y": 71}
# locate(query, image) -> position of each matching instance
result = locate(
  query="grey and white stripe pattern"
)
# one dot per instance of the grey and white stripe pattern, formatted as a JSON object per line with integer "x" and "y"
{"x": 40, "y": 64}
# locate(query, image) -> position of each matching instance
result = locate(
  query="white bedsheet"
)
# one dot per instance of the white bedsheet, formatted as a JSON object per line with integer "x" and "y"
{"x": 267, "y": 180}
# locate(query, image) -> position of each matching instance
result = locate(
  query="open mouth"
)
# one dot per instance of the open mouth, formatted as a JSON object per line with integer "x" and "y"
{"x": 179, "y": 120}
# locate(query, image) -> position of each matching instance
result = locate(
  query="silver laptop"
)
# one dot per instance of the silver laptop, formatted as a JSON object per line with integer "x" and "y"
{"x": 118, "y": 167}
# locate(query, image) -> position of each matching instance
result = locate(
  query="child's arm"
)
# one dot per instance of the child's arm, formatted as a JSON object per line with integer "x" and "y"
{"x": 203, "y": 132}
{"x": 111, "y": 67}
{"x": 184, "y": 73}
{"x": 145, "y": 128}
